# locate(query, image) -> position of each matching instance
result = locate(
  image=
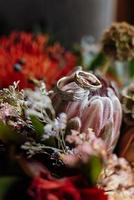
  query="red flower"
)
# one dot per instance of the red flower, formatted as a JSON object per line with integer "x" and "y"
{"x": 24, "y": 56}
{"x": 93, "y": 194}
{"x": 74, "y": 188}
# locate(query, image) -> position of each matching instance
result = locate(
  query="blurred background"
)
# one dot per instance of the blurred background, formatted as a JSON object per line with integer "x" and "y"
{"x": 67, "y": 20}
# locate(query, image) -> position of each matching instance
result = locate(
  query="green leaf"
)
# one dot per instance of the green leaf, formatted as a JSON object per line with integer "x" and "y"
{"x": 95, "y": 168}
{"x": 8, "y": 135}
{"x": 98, "y": 61}
{"x": 38, "y": 126}
{"x": 131, "y": 68}
{"x": 5, "y": 184}
{"x": 92, "y": 169}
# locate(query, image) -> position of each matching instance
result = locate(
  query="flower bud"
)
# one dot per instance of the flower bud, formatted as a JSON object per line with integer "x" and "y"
{"x": 94, "y": 101}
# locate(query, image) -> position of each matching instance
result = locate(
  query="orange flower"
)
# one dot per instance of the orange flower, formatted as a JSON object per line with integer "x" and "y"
{"x": 24, "y": 56}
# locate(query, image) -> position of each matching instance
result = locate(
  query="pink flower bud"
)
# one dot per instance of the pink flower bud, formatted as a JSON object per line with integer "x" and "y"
{"x": 94, "y": 101}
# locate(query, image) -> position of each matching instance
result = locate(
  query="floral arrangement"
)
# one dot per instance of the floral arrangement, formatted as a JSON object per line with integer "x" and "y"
{"x": 73, "y": 141}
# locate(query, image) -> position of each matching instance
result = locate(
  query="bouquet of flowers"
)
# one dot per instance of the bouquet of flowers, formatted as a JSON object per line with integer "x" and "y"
{"x": 73, "y": 141}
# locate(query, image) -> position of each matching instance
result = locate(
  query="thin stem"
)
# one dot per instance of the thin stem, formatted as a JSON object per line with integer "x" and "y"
{"x": 106, "y": 66}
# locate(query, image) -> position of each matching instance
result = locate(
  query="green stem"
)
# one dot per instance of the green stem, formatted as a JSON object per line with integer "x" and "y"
{"x": 105, "y": 66}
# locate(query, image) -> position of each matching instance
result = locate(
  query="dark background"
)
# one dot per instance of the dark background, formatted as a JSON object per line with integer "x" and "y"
{"x": 66, "y": 20}
{"x": 125, "y": 11}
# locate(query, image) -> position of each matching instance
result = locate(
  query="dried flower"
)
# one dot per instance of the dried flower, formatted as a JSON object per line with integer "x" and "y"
{"x": 33, "y": 148}
{"x": 117, "y": 179}
{"x": 13, "y": 96}
{"x": 94, "y": 101}
{"x": 128, "y": 104}
{"x": 7, "y": 111}
{"x": 39, "y": 104}
{"x": 56, "y": 127}
{"x": 12, "y": 105}
{"x": 118, "y": 41}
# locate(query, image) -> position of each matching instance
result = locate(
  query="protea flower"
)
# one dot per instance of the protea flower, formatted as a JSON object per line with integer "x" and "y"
{"x": 94, "y": 101}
